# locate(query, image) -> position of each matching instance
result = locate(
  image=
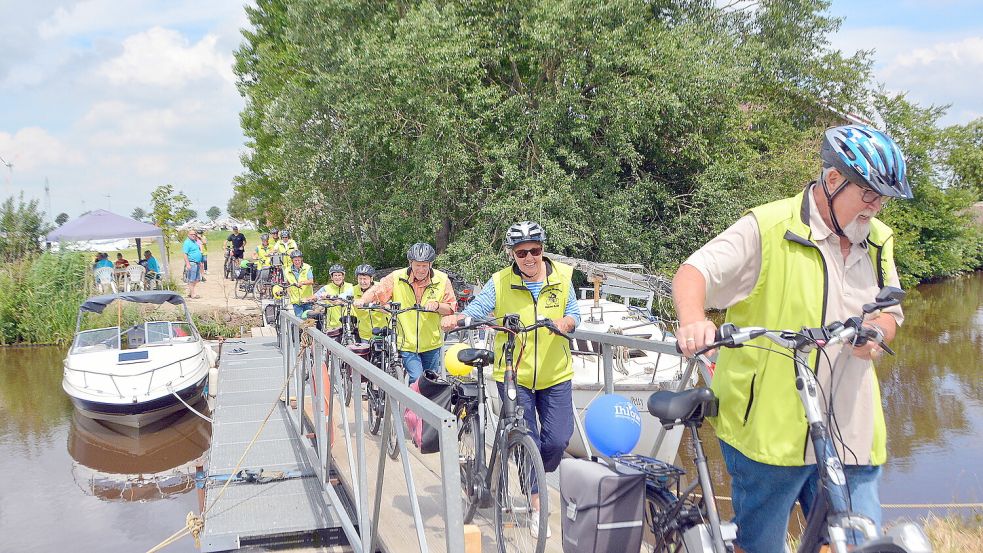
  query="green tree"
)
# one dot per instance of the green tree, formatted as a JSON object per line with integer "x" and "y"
{"x": 61, "y": 219}
{"x": 22, "y": 228}
{"x": 965, "y": 155}
{"x": 139, "y": 214}
{"x": 213, "y": 212}
{"x": 169, "y": 209}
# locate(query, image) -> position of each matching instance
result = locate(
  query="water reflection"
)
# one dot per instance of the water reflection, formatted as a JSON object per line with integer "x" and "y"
{"x": 117, "y": 463}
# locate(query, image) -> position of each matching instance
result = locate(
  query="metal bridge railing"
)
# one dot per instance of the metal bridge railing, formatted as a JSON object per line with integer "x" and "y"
{"x": 362, "y": 531}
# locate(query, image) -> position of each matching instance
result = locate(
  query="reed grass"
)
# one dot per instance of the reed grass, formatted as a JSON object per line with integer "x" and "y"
{"x": 40, "y": 297}
{"x": 952, "y": 533}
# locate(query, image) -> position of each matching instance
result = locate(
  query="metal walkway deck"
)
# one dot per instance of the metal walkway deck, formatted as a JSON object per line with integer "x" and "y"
{"x": 252, "y": 513}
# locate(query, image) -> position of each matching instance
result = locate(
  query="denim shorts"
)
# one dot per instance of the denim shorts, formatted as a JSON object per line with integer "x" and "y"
{"x": 193, "y": 274}
{"x": 763, "y": 496}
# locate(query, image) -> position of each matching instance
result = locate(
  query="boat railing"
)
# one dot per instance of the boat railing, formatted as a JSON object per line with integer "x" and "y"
{"x": 150, "y": 383}
{"x": 305, "y": 351}
{"x": 609, "y": 341}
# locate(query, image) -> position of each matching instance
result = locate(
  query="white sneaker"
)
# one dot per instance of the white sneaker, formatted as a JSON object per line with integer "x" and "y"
{"x": 534, "y": 525}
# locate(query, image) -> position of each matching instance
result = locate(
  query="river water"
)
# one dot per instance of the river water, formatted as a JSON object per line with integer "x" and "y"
{"x": 69, "y": 483}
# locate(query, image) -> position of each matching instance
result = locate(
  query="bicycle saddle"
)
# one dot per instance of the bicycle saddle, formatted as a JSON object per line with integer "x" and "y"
{"x": 380, "y": 331}
{"x": 690, "y": 405}
{"x": 473, "y": 356}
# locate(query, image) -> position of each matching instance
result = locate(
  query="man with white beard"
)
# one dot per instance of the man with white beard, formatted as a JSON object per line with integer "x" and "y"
{"x": 803, "y": 261}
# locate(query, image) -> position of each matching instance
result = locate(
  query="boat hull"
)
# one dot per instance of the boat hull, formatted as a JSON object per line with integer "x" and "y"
{"x": 140, "y": 414}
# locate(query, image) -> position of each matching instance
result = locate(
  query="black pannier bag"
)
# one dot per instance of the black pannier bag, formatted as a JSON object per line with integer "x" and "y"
{"x": 602, "y": 509}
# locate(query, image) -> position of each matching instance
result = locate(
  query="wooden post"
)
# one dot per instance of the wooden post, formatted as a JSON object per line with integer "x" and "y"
{"x": 472, "y": 538}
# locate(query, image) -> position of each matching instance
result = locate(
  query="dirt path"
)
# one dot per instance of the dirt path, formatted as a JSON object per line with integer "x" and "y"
{"x": 217, "y": 294}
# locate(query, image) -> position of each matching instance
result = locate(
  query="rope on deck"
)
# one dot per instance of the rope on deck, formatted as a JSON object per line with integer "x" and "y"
{"x": 193, "y": 523}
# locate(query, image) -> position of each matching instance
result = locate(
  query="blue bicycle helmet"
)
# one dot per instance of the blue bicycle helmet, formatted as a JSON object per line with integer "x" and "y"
{"x": 336, "y": 268}
{"x": 867, "y": 158}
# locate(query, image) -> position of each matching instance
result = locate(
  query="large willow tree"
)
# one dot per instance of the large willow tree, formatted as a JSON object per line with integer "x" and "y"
{"x": 632, "y": 130}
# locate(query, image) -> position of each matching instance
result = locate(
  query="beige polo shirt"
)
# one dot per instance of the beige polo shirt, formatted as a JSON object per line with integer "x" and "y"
{"x": 730, "y": 264}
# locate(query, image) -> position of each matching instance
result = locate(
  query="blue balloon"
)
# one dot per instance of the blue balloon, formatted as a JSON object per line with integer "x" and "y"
{"x": 613, "y": 424}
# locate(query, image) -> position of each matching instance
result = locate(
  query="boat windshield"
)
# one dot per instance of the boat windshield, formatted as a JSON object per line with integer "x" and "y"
{"x": 96, "y": 340}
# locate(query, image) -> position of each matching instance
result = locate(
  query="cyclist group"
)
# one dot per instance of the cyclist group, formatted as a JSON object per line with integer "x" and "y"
{"x": 798, "y": 262}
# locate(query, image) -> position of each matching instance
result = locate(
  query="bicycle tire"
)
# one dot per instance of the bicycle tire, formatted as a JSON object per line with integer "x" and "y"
{"x": 665, "y": 533}
{"x": 377, "y": 407}
{"x": 520, "y": 469}
{"x": 240, "y": 291}
{"x": 392, "y": 447}
{"x": 467, "y": 446}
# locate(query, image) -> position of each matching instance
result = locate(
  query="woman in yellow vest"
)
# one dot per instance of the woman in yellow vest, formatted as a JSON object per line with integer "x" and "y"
{"x": 419, "y": 335}
{"x": 301, "y": 278}
{"x": 263, "y": 252}
{"x": 367, "y": 320}
{"x": 337, "y": 287}
{"x": 534, "y": 286}
{"x": 799, "y": 262}
{"x": 286, "y": 244}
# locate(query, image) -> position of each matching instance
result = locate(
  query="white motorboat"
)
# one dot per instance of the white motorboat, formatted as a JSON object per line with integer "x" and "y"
{"x": 141, "y": 374}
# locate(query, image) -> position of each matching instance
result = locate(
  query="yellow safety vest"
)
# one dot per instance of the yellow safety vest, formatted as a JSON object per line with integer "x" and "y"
{"x": 264, "y": 255}
{"x": 367, "y": 320}
{"x": 419, "y": 332}
{"x": 332, "y": 315}
{"x": 546, "y": 360}
{"x": 761, "y": 414}
{"x": 286, "y": 247}
{"x": 297, "y": 295}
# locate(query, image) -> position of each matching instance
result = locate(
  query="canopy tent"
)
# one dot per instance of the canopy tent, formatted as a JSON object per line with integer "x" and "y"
{"x": 104, "y": 225}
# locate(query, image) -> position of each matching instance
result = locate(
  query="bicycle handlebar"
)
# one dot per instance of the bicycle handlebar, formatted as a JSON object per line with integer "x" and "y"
{"x": 510, "y": 323}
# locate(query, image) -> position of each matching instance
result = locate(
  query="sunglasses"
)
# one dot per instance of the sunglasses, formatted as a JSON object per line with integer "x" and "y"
{"x": 521, "y": 254}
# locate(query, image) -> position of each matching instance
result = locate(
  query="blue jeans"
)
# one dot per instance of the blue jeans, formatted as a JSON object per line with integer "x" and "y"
{"x": 549, "y": 415}
{"x": 416, "y": 363}
{"x": 763, "y": 496}
{"x": 299, "y": 309}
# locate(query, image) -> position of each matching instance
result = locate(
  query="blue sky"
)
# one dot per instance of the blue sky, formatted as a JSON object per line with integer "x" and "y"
{"x": 115, "y": 97}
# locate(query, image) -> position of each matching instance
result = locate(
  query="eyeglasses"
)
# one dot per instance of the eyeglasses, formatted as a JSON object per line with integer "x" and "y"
{"x": 871, "y": 196}
{"x": 521, "y": 254}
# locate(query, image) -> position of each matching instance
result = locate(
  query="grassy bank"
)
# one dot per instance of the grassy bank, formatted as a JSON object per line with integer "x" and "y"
{"x": 40, "y": 297}
{"x": 955, "y": 534}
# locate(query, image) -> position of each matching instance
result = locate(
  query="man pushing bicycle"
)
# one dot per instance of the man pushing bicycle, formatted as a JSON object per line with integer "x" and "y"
{"x": 799, "y": 262}
{"x": 534, "y": 286}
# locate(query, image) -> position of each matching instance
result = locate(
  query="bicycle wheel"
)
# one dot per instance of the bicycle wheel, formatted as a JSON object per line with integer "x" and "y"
{"x": 377, "y": 407}
{"x": 392, "y": 448}
{"x": 664, "y": 533}
{"x": 240, "y": 289}
{"x": 520, "y": 476}
{"x": 468, "y": 448}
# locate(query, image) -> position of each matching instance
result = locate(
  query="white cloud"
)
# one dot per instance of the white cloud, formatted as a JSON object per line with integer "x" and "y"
{"x": 32, "y": 148}
{"x": 166, "y": 58}
{"x": 108, "y": 16}
{"x": 935, "y": 68}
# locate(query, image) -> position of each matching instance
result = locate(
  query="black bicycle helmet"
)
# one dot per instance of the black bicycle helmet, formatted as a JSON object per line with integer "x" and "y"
{"x": 296, "y": 253}
{"x": 365, "y": 269}
{"x": 336, "y": 268}
{"x": 421, "y": 251}
{"x": 524, "y": 231}
{"x": 867, "y": 158}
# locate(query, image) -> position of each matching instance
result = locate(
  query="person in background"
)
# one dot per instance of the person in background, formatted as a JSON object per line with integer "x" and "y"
{"x": 121, "y": 262}
{"x": 367, "y": 320}
{"x": 337, "y": 287}
{"x": 192, "y": 262}
{"x": 149, "y": 263}
{"x": 422, "y": 285}
{"x": 203, "y": 244}
{"x": 102, "y": 260}
{"x": 301, "y": 278}
{"x": 287, "y": 244}
{"x": 237, "y": 241}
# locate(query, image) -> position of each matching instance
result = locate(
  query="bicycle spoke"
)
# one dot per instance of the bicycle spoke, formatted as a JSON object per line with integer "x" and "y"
{"x": 519, "y": 506}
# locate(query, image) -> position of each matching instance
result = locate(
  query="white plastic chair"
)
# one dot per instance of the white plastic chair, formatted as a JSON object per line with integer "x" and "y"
{"x": 105, "y": 277}
{"x": 134, "y": 277}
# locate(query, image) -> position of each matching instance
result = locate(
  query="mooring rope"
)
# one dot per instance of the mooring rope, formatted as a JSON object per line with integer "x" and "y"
{"x": 194, "y": 524}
